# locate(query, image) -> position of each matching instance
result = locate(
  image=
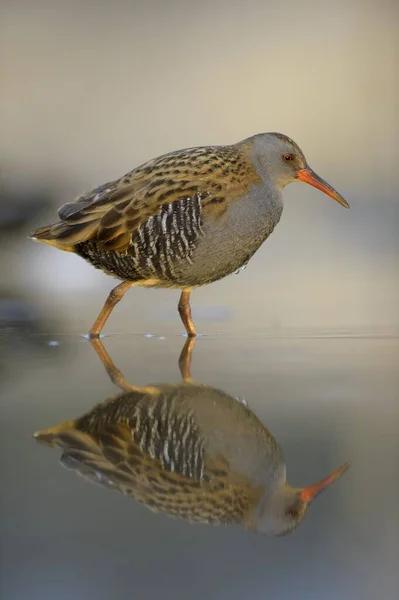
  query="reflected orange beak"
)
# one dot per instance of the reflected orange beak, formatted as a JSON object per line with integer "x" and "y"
{"x": 310, "y": 177}
{"x": 310, "y": 493}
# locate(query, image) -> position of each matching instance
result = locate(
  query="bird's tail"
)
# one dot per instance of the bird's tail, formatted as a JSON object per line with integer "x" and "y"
{"x": 89, "y": 455}
{"x": 53, "y": 435}
{"x": 53, "y": 235}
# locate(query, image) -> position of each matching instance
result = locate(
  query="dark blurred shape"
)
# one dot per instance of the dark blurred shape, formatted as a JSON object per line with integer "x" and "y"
{"x": 18, "y": 207}
{"x": 187, "y": 450}
{"x": 16, "y": 312}
{"x": 23, "y": 316}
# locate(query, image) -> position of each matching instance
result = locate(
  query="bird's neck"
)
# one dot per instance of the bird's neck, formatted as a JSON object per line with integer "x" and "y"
{"x": 271, "y": 508}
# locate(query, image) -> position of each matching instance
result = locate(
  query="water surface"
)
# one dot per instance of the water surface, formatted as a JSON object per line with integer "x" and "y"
{"x": 326, "y": 399}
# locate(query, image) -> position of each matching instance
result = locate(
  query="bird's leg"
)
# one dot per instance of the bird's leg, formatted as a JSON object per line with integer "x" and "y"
{"x": 114, "y": 297}
{"x": 114, "y": 373}
{"x": 185, "y": 313}
{"x": 185, "y": 359}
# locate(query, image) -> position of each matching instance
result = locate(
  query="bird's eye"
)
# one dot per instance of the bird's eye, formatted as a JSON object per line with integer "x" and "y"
{"x": 288, "y": 157}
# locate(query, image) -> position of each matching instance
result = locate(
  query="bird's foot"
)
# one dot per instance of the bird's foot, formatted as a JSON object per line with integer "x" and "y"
{"x": 92, "y": 336}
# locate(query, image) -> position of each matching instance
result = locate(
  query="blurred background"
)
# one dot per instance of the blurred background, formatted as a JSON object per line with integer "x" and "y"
{"x": 88, "y": 90}
{"x": 91, "y": 89}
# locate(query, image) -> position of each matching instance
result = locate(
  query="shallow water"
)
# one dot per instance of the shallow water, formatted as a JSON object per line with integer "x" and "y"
{"x": 326, "y": 399}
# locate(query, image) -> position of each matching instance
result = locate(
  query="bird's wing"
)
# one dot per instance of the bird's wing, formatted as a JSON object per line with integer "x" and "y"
{"x": 113, "y": 458}
{"x": 158, "y": 432}
{"x": 109, "y": 215}
{"x": 105, "y": 458}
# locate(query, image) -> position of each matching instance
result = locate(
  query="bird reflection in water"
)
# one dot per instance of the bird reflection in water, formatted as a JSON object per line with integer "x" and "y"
{"x": 187, "y": 450}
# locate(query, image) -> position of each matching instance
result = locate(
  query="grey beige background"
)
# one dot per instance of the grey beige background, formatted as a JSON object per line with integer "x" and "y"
{"x": 307, "y": 333}
{"x": 91, "y": 89}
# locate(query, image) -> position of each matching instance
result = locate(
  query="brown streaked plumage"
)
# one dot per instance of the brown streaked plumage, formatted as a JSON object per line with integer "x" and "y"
{"x": 187, "y": 450}
{"x": 184, "y": 219}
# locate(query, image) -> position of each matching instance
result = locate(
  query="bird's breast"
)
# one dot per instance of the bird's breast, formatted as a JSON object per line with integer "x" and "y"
{"x": 230, "y": 240}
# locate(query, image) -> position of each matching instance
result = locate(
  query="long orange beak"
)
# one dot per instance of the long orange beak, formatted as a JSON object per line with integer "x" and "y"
{"x": 310, "y": 493}
{"x": 310, "y": 177}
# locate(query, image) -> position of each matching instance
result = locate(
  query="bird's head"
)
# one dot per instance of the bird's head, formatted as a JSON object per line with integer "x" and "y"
{"x": 282, "y": 511}
{"x": 279, "y": 159}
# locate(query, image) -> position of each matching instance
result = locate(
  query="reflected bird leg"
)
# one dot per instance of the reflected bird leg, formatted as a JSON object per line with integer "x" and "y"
{"x": 185, "y": 313}
{"x": 185, "y": 359}
{"x": 114, "y": 297}
{"x": 114, "y": 373}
